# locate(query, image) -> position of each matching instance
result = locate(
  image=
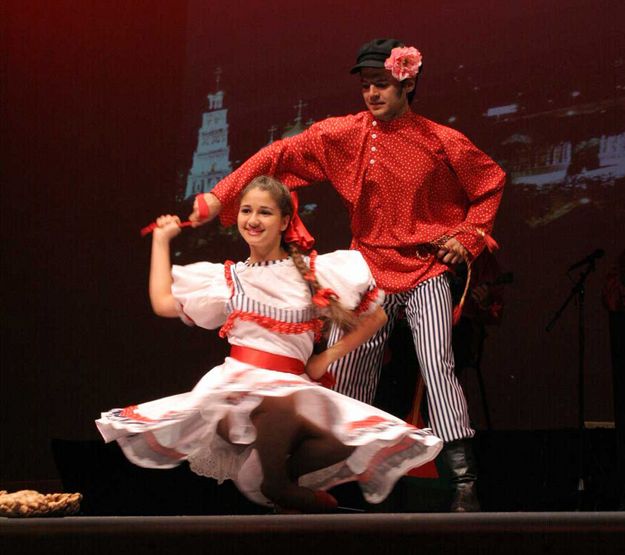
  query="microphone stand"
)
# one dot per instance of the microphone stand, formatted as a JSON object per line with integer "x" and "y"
{"x": 578, "y": 291}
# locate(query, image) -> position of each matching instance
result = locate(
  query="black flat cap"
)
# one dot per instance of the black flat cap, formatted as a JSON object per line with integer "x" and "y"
{"x": 374, "y": 53}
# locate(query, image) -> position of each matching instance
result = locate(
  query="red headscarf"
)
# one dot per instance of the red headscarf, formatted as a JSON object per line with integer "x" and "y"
{"x": 297, "y": 232}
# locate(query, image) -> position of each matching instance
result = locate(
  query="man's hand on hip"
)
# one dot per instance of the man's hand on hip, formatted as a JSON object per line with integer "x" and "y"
{"x": 452, "y": 252}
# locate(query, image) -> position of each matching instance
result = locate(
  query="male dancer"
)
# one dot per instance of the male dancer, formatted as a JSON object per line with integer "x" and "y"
{"x": 420, "y": 197}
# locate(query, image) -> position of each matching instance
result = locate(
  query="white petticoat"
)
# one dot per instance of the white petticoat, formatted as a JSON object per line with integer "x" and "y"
{"x": 162, "y": 433}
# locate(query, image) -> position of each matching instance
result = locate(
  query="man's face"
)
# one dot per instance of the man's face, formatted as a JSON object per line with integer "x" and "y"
{"x": 383, "y": 94}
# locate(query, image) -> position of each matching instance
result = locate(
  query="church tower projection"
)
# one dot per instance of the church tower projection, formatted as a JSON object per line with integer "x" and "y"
{"x": 211, "y": 159}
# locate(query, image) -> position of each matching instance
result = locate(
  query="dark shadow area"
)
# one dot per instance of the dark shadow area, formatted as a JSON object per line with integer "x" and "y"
{"x": 520, "y": 471}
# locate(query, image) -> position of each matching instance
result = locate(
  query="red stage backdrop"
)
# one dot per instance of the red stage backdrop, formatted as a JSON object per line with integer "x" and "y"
{"x": 105, "y": 104}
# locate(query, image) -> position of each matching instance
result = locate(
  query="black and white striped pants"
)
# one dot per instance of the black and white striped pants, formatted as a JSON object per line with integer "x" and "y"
{"x": 428, "y": 310}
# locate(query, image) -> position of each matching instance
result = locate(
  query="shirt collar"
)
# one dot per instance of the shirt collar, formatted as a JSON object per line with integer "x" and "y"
{"x": 405, "y": 120}
{"x": 266, "y": 262}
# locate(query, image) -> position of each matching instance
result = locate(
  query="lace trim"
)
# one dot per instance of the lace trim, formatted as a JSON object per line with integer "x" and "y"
{"x": 328, "y": 477}
{"x": 219, "y": 460}
{"x": 392, "y": 462}
{"x": 278, "y": 326}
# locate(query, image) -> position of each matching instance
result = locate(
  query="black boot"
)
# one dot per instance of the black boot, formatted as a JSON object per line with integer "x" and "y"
{"x": 459, "y": 458}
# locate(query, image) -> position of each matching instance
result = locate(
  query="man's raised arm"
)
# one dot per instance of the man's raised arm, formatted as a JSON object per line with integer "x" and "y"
{"x": 296, "y": 161}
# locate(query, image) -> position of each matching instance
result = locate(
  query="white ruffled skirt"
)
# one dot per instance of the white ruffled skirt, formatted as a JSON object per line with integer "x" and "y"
{"x": 162, "y": 433}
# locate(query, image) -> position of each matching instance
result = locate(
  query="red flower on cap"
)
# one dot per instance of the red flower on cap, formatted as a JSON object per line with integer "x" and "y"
{"x": 404, "y": 62}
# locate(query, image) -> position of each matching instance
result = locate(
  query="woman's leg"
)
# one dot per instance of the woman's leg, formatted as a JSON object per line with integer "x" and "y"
{"x": 279, "y": 431}
{"x": 317, "y": 449}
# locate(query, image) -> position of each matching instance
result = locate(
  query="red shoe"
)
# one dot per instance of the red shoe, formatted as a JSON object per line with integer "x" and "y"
{"x": 324, "y": 503}
{"x": 325, "y": 500}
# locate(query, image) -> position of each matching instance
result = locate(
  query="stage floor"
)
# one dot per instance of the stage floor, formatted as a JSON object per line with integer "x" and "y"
{"x": 479, "y": 533}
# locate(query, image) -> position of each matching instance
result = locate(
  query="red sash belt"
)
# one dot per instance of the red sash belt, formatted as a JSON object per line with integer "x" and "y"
{"x": 266, "y": 360}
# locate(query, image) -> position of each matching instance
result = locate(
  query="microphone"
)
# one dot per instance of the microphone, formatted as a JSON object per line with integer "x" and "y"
{"x": 597, "y": 253}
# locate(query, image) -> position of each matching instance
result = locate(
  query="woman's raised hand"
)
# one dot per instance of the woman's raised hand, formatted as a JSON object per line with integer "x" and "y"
{"x": 167, "y": 227}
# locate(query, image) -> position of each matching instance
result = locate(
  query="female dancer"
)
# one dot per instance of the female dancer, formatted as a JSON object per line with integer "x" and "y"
{"x": 260, "y": 418}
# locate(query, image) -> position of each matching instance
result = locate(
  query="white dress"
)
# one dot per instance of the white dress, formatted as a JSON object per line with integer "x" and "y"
{"x": 267, "y": 306}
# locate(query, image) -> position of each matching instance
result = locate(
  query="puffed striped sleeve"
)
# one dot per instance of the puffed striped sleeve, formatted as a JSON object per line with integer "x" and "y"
{"x": 349, "y": 276}
{"x": 202, "y": 293}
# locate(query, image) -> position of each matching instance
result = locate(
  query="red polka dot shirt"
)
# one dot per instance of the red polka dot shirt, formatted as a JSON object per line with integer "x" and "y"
{"x": 406, "y": 183}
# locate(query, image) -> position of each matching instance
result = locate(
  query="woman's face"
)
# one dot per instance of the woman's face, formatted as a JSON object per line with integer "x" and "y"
{"x": 260, "y": 221}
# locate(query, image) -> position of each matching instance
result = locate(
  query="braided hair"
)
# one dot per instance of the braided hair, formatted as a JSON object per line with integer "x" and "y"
{"x": 335, "y": 312}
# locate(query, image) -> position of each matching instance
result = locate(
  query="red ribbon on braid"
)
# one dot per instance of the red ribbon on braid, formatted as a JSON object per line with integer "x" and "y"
{"x": 297, "y": 232}
{"x": 322, "y": 297}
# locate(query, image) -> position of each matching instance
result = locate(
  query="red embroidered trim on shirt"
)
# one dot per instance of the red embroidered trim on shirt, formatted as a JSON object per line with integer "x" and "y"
{"x": 490, "y": 243}
{"x": 228, "y": 275}
{"x": 314, "y": 325}
{"x": 323, "y": 295}
{"x": 368, "y": 298}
